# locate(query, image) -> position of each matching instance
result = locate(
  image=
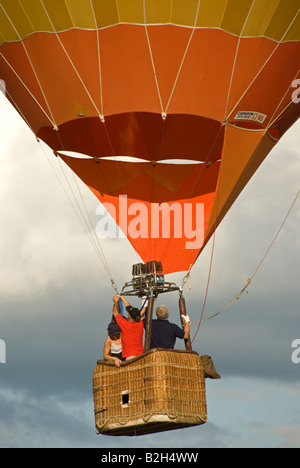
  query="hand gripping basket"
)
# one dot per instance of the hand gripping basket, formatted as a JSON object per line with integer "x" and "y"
{"x": 158, "y": 391}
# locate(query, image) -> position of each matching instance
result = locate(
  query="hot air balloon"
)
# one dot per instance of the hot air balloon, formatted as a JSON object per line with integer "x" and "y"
{"x": 194, "y": 95}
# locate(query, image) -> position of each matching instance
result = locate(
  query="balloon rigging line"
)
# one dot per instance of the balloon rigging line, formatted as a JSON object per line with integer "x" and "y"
{"x": 80, "y": 214}
{"x": 119, "y": 170}
{"x": 66, "y": 193}
{"x": 235, "y": 58}
{"x": 207, "y": 286}
{"x": 118, "y": 11}
{"x": 72, "y": 64}
{"x": 264, "y": 65}
{"x": 244, "y": 289}
{"x": 216, "y": 206}
{"x": 289, "y": 104}
{"x": 83, "y": 221}
{"x": 184, "y": 56}
{"x": 277, "y": 234}
{"x": 164, "y": 111}
{"x": 90, "y": 229}
{"x": 96, "y": 239}
{"x": 99, "y": 60}
{"x": 195, "y": 185}
{"x": 28, "y": 90}
{"x": 31, "y": 65}
{"x": 11, "y": 99}
{"x": 97, "y": 242}
{"x": 101, "y": 116}
{"x": 171, "y": 11}
{"x": 152, "y": 60}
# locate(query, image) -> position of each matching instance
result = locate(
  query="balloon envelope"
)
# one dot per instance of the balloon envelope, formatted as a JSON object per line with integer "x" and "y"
{"x": 212, "y": 81}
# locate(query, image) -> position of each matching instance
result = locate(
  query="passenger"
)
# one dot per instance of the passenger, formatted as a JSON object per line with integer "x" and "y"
{"x": 113, "y": 344}
{"x": 132, "y": 329}
{"x": 164, "y": 333}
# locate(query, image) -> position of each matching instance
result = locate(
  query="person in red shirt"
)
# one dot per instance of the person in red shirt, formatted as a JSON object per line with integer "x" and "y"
{"x": 132, "y": 329}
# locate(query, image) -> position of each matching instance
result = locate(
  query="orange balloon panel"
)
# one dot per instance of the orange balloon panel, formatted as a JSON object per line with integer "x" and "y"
{"x": 212, "y": 81}
{"x": 164, "y": 210}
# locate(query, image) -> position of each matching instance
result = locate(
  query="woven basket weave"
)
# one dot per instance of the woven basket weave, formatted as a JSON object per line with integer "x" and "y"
{"x": 158, "y": 391}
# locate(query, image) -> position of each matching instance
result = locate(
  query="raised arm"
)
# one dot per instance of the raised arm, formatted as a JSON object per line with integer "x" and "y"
{"x": 126, "y": 304}
{"x": 115, "y": 306}
{"x": 187, "y": 321}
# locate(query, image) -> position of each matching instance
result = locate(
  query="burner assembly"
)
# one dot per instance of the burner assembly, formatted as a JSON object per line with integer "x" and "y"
{"x": 148, "y": 278}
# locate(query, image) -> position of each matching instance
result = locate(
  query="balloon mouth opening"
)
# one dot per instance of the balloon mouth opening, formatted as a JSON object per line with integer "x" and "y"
{"x": 131, "y": 159}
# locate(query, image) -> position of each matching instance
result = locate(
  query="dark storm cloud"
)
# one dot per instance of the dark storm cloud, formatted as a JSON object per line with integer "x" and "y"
{"x": 53, "y": 349}
{"x": 53, "y": 343}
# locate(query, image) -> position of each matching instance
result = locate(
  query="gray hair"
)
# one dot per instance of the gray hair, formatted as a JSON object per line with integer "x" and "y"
{"x": 162, "y": 312}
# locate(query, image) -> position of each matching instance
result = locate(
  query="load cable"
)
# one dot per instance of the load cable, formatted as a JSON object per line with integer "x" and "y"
{"x": 250, "y": 280}
{"x": 80, "y": 214}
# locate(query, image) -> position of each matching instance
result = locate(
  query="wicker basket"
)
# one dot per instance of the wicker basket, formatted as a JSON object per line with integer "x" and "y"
{"x": 157, "y": 391}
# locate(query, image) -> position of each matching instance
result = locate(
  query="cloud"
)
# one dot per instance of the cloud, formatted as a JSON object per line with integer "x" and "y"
{"x": 28, "y": 422}
{"x": 290, "y": 436}
{"x": 43, "y": 242}
{"x": 241, "y": 415}
{"x": 67, "y": 421}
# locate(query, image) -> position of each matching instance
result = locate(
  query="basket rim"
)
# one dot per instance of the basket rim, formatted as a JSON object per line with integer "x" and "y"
{"x": 142, "y": 356}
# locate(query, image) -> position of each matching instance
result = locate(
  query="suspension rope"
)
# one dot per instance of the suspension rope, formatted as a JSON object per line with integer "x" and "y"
{"x": 87, "y": 221}
{"x": 165, "y": 110}
{"x": 187, "y": 278}
{"x": 207, "y": 287}
{"x": 250, "y": 280}
{"x": 28, "y": 90}
{"x": 264, "y": 65}
{"x": 12, "y": 100}
{"x": 273, "y": 118}
{"x": 235, "y": 58}
{"x": 152, "y": 59}
{"x": 277, "y": 234}
{"x": 33, "y": 70}
{"x": 89, "y": 227}
{"x": 184, "y": 57}
{"x": 82, "y": 219}
{"x": 99, "y": 60}
{"x": 93, "y": 238}
{"x": 72, "y": 63}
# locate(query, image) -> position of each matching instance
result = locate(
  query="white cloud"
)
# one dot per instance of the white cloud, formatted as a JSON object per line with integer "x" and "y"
{"x": 42, "y": 241}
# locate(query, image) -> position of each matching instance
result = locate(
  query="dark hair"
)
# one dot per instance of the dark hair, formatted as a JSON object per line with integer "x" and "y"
{"x": 134, "y": 313}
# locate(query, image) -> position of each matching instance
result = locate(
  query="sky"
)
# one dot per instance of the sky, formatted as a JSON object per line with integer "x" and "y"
{"x": 56, "y": 302}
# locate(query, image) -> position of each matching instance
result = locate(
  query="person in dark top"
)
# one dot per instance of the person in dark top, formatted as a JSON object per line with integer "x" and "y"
{"x": 164, "y": 333}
